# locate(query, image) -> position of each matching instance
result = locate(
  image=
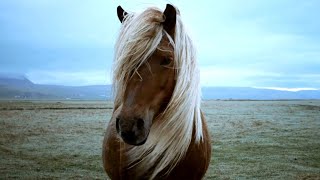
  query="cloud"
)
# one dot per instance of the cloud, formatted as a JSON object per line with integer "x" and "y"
{"x": 288, "y": 89}
{"x": 250, "y": 77}
{"x": 58, "y": 23}
{"x": 229, "y": 76}
{"x": 240, "y": 43}
{"x": 76, "y": 78}
{"x": 287, "y": 80}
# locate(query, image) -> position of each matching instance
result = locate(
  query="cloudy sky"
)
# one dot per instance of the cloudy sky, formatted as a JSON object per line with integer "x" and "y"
{"x": 247, "y": 43}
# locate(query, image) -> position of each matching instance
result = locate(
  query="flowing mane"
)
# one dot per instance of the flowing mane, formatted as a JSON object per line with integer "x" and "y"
{"x": 171, "y": 132}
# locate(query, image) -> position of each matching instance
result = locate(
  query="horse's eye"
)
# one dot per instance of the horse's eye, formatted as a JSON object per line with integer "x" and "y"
{"x": 165, "y": 61}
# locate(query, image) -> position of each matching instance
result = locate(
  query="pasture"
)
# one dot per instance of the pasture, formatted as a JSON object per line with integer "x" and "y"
{"x": 251, "y": 139}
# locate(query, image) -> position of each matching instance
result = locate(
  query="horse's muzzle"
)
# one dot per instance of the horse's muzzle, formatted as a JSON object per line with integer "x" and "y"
{"x": 132, "y": 131}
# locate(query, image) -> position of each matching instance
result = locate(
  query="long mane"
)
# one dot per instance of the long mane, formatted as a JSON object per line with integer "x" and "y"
{"x": 171, "y": 133}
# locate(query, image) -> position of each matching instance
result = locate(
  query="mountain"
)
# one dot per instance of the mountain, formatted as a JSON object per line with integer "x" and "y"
{"x": 14, "y": 80}
{"x": 20, "y": 87}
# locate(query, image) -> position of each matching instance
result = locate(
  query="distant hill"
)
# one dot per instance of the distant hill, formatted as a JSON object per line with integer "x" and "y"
{"x": 14, "y": 80}
{"x": 23, "y": 88}
{"x": 20, "y": 87}
{"x": 256, "y": 94}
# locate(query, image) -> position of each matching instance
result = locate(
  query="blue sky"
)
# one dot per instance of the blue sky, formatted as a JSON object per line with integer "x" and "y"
{"x": 255, "y": 43}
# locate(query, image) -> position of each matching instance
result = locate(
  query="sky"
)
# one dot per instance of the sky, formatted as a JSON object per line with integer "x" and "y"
{"x": 240, "y": 43}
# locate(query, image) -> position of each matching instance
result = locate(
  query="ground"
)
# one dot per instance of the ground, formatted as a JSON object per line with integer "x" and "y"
{"x": 251, "y": 139}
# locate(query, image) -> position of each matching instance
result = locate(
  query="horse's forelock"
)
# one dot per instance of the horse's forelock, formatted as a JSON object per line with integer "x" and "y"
{"x": 139, "y": 36}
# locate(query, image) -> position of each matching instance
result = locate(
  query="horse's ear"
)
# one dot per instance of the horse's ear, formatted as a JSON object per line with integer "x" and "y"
{"x": 169, "y": 23}
{"x": 121, "y": 13}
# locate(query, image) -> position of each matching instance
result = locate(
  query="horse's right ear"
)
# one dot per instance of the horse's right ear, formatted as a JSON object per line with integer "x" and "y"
{"x": 121, "y": 13}
{"x": 169, "y": 23}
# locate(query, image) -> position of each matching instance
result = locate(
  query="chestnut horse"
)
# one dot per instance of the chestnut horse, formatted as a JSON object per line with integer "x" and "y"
{"x": 157, "y": 130}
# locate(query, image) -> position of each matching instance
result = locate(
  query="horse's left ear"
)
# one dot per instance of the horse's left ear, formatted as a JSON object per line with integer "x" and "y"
{"x": 121, "y": 13}
{"x": 169, "y": 23}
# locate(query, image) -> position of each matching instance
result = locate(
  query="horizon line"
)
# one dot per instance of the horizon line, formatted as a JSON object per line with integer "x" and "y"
{"x": 290, "y": 89}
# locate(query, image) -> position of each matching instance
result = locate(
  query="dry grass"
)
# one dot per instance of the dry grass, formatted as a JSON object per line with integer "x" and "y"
{"x": 251, "y": 139}
{"x": 264, "y": 139}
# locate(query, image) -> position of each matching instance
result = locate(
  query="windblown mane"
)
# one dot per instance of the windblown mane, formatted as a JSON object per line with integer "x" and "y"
{"x": 171, "y": 132}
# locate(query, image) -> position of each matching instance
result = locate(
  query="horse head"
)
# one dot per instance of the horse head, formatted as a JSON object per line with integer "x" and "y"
{"x": 148, "y": 87}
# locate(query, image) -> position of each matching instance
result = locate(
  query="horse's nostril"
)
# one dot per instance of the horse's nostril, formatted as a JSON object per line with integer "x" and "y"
{"x": 128, "y": 135}
{"x": 140, "y": 123}
{"x": 117, "y": 124}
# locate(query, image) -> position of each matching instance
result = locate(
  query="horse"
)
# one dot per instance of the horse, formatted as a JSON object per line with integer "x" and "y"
{"x": 157, "y": 129}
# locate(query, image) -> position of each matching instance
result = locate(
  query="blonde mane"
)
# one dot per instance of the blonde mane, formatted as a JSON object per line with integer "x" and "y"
{"x": 171, "y": 133}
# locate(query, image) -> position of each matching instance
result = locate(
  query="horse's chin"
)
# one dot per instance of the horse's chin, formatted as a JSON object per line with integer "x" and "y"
{"x": 135, "y": 142}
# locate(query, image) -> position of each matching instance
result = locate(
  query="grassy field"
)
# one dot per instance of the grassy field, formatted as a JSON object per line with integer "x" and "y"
{"x": 251, "y": 139}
